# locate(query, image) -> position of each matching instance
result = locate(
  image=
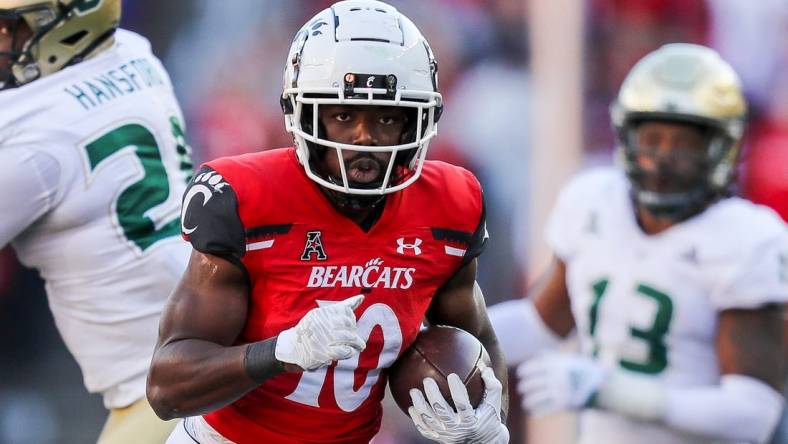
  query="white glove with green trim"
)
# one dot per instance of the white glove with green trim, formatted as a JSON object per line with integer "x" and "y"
{"x": 556, "y": 382}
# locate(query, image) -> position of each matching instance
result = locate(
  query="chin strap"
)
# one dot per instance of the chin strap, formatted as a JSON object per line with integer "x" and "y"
{"x": 678, "y": 207}
{"x": 351, "y": 202}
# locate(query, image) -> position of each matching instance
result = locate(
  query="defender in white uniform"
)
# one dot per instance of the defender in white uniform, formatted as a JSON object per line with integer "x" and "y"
{"x": 93, "y": 162}
{"x": 674, "y": 289}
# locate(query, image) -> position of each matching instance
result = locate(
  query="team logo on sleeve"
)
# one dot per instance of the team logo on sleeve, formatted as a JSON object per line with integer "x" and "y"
{"x": 204, "y": 185}
{"x": 314, "y": 245}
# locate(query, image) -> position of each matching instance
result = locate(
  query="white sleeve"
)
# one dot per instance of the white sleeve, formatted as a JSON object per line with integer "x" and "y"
{"x": 575, "y": 209}
{"x": 760, "y": 277}
{"x": 28, "y": 181}
{"x": 559, "y": 232}
{"x": 520, "y": 330}
{"x": 740, "y": 408}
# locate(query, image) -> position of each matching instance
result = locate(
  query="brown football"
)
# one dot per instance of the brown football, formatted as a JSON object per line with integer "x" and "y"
{"x": 437, "y": 352}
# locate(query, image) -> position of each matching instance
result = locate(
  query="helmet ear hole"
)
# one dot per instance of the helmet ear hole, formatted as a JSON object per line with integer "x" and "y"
{"x": 73, "y": 39}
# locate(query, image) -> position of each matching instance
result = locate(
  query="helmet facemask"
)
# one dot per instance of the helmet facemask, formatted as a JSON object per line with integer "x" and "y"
{"x": 14, "y": 28}
{"x": 407, "y": 157}
{"x": 681, "y": 182}
{"x": 400, "y": 172}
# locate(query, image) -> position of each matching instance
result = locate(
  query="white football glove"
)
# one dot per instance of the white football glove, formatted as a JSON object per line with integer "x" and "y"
{"x": 555, "y": 382}
{"x": 437, "y": 421}
{"x": 323, "y": 335}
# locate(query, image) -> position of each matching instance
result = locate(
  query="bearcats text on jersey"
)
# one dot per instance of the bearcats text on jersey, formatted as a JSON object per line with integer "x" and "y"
{"x": 370, "y": 275}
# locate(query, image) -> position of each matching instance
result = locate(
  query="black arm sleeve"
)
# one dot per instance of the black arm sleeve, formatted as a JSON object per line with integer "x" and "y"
{"x": 260, "y": 360}
{"x": 210, "y": 220}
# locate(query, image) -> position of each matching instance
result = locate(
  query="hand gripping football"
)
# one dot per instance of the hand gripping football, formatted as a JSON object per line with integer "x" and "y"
{"x": 437, "y": 352}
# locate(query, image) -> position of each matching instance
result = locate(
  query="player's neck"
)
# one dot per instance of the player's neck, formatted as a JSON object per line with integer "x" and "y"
{"x": 365, "y": 218}
{"x": 651, "y": 224}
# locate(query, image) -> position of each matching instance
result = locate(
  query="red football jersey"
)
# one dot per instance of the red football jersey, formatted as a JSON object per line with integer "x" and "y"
{"x": 300, "y": 252}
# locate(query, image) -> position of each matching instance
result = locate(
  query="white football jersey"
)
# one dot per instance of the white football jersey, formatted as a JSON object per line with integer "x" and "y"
{"x": 104, "y": 139}
{"x": 649, "y": 304}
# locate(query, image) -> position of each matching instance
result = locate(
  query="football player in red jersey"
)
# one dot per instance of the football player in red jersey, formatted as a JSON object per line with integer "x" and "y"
{"x": 314, "y": 266}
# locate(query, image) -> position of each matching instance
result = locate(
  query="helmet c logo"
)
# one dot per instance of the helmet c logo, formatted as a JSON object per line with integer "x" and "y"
{"x": 370, "y": 81}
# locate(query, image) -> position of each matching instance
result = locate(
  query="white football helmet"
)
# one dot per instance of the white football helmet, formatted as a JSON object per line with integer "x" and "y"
{"x": 361, "y": 52}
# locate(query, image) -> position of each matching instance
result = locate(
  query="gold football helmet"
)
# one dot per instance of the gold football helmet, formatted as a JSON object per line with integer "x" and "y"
{"x": 57, "y": 33}
{"x": 689, "y": 84}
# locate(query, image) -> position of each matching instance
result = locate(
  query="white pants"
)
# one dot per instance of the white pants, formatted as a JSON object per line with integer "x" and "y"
{"x": 195, "y": 430}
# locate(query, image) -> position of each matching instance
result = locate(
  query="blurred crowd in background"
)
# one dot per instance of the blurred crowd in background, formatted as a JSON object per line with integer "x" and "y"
{"x": 226, "y": 60}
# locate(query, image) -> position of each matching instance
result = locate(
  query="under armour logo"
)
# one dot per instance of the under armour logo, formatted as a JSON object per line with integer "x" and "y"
{"x": 370, "y": 81}
{"x": 415, "y": 246}
{"x": 592, "y": 226}
{"x": 314, "y": 245}
{"x": 691, "y": 256}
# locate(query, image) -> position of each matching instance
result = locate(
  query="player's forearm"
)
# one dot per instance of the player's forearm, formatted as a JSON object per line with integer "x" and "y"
{"x": 191, "y": 377}
{"x": 490, "y": 342}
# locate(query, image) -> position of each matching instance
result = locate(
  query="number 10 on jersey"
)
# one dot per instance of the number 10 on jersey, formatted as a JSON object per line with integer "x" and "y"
{"x": 347, "y": 397}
